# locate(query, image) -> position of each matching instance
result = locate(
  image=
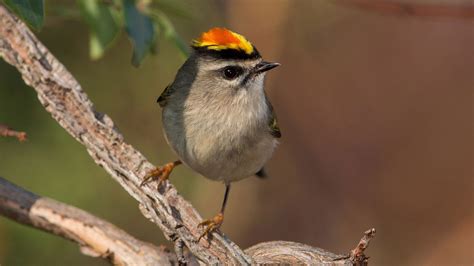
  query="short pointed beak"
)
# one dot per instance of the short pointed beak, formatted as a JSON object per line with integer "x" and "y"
{"x": 264, "y": 67}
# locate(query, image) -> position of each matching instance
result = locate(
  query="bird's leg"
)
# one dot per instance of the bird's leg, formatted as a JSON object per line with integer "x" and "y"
{"x": 215, "y": 222}
{"x": 160, "y": 173}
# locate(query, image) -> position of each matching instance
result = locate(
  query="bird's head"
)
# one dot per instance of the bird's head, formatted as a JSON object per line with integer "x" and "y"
{"x": 227, "y": 60}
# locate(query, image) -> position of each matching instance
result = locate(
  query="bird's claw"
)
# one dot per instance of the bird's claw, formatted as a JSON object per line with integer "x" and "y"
{"x": 159, "y": 173}
{"x": 211, "y": 225}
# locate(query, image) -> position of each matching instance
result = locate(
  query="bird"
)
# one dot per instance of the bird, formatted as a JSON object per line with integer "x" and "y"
{"x": 216, "y": 115}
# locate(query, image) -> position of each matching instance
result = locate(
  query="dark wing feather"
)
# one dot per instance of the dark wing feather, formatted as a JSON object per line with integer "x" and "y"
{"x": 261, "y": 174}
{"x": 163, "y": 99}
{"x": 272, "y": 121}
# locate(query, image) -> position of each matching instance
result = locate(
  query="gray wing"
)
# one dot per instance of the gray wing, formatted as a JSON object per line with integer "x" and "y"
{"x": 163, "y": 99}
{"x": 261, "y": 174}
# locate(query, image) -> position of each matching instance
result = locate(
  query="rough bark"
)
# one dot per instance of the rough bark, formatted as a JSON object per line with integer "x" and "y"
{"x": 278, "y": 252}
{"x": 63, "y": 97}
{"x": 95, "y": 236}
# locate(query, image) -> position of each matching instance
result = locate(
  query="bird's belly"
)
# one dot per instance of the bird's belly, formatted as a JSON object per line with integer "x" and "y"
{"x": 223, "y": 153}
{"x": 230, "y": 161}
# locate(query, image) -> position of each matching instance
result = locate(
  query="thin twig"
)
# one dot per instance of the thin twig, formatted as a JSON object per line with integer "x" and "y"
{"x": 6, "y": 131}
{"x": 357, "y": 254}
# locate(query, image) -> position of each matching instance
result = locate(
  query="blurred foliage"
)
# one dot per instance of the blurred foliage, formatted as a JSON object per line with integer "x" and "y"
{"x": 143, "y": 21}
{"x": 140, "y": 29}
{"x": 104, "y": 23}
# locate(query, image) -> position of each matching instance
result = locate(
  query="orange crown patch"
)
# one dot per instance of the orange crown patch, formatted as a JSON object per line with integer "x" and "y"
{"x": 221, "y": 39}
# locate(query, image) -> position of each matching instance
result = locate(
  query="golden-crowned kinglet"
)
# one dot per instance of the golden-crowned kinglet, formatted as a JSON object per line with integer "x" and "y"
{"x": 216, "y": 116}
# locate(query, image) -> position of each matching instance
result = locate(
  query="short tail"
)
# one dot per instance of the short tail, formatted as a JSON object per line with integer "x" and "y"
{"x": 261, "y": 174}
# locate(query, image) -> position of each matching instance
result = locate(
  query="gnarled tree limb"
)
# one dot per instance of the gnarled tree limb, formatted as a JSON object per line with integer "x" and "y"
{"x": 95, "y": 236}
{"x": 291, "y": 253}
{"x": 63, "y": 97}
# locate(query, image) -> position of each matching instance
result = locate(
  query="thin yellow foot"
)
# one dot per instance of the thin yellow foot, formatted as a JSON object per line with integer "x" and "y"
{"x": 160, "y": 173}
{"x": 211, "y": 224}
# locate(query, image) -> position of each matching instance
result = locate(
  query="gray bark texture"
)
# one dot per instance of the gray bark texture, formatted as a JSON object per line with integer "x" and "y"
{"x": 96, "y": 237}
{"x": 62, "y": 96}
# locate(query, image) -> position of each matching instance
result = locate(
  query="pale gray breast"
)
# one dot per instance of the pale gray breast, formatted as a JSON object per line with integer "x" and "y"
{"x": 224, "y": 145}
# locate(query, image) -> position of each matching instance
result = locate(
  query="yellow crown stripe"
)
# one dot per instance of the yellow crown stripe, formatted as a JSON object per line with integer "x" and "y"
{"x": 220, "y": 39}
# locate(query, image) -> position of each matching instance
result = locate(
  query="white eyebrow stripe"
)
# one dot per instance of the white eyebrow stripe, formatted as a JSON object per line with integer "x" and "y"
{"x": 221, "y": 63}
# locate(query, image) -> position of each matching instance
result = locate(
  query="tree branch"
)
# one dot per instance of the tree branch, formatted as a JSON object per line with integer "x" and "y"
{"x": 63, "y": 97}
{"x": 291, "y": 253}
{"x": 95, "y": 236}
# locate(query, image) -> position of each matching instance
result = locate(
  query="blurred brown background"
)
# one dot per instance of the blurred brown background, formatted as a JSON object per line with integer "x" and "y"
{"x": 375, "y": 110}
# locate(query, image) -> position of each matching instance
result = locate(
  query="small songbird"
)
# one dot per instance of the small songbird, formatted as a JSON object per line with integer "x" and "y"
{"x": 216, "y": 115}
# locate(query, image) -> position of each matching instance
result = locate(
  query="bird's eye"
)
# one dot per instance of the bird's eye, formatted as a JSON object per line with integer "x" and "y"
{"x": 231, "y": 72}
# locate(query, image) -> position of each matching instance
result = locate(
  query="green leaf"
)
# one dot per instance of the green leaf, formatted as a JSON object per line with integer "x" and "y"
{"x": 104, "y": 27}
{"x": 140, "y": 30}
{"x": 30, "y": 11}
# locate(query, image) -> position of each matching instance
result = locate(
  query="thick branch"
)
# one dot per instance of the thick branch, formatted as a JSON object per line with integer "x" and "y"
{"x": 62, "y": 96}
{"x": 291, "y": 253}
{"x": 95, "y": 236}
